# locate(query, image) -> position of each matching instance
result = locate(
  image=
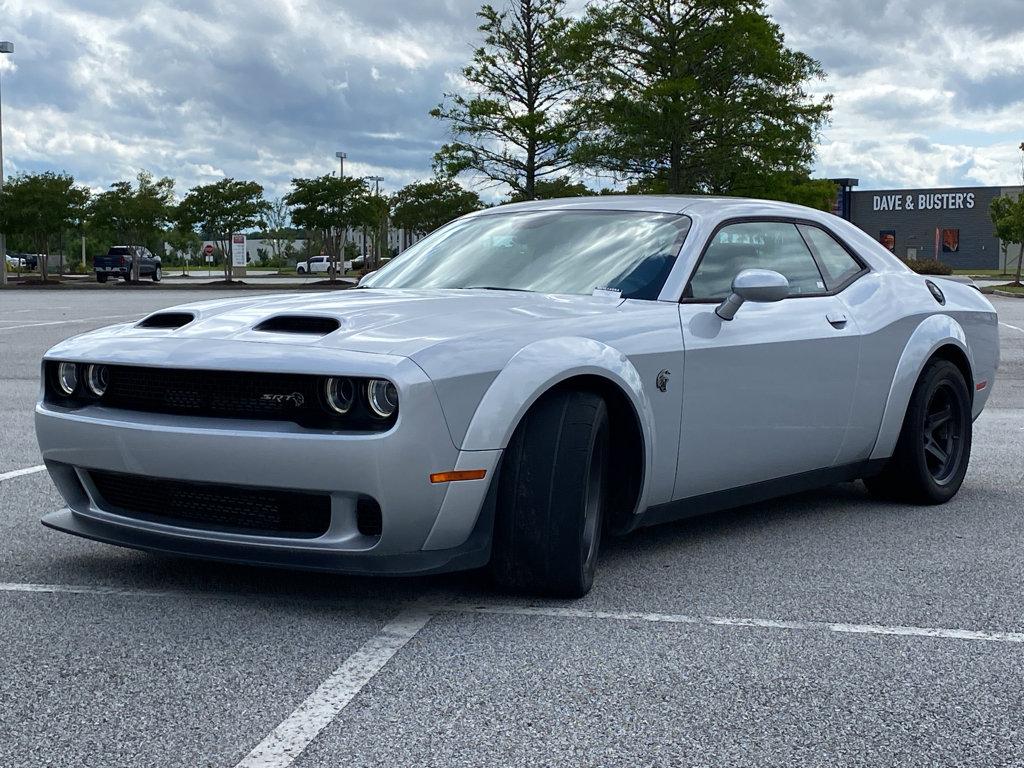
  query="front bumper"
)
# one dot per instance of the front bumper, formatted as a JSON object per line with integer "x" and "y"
{"x": 426, "y": 527}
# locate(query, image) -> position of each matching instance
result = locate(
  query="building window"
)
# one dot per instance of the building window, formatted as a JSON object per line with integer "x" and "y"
{"x": 888, "y": 239}
{"x": 950, "y": 241}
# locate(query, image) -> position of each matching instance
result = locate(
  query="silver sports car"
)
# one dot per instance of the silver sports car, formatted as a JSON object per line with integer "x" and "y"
{"x": 519, "y": 384}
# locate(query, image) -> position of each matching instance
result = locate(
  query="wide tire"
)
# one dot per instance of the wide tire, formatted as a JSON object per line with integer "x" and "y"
{"x": 100, "y": 278}
{"x": 552, "y": 495}
{"x": 934, "y": 447}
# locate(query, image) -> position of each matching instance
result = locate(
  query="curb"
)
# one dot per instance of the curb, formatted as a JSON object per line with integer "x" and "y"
{"x": 997, "y": 292}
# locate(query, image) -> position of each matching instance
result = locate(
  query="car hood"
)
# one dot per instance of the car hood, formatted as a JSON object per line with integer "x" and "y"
{"x": 389, "y": 321}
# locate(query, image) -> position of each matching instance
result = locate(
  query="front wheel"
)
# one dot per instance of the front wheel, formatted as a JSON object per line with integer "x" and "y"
{"x": 301, "y": 271}
{"x": 934, "y": 447}
{"x": 552, "y": 494}
{"x": 157, "y": 275}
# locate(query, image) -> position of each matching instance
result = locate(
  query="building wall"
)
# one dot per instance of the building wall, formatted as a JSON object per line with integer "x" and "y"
{"x": 915, "y": 214}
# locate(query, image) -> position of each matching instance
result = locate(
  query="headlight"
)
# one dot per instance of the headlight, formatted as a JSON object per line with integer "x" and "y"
{"x": 340, "y": 393}
{"x": 67, "y": 377}
{"x": 96, "y": 379}
{"x": 382, "y": 397}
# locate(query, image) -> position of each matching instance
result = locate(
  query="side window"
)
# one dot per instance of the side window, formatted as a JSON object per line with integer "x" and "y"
{"x": 839, "y": 265}
{"x": 762, "y": 245}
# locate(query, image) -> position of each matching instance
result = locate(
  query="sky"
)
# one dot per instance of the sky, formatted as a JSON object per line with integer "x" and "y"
{"x": 925, "y": 93}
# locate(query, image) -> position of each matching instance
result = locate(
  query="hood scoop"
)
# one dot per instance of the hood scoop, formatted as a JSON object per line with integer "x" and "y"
{"x": 166, "y": 320}
{"x": 318, "y": 325}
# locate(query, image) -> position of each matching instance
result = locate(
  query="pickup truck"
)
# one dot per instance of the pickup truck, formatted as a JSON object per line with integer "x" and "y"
{"x": 118, "y": 263}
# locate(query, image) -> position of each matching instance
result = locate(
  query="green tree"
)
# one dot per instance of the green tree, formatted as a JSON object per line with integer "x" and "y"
{"x": 133, "y": 215}
{"x": 695, "y": 95}
{"x": 422, "y": 207}
{"x": 40, "y": 208}
{"x": 329, "y": 205}
{"x": 791, "y": 188}
{"x": 1008, "y": 220}
{"x": 561, "y": 187}
{"x": 519, "y": 122}
{"x": 184, "y": 242}
{"x": 279, "y": 230}
{"x": 374, "y": 211}
{"x": 221, "y": 209}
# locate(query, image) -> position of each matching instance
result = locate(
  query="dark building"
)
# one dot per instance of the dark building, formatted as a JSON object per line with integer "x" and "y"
{"x": 952, "y": 224}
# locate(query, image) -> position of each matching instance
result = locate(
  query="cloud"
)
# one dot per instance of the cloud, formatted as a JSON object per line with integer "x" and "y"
{"x": 937, "y": 88}
{"x": 197, "y": 89}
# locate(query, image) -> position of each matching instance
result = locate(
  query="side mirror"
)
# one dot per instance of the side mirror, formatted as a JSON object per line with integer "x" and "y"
{"x": 365, "y": 277}
{"x": 753, "y": 286}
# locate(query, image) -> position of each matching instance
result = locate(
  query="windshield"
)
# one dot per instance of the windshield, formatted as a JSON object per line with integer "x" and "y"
{"x": 554, "y": 252}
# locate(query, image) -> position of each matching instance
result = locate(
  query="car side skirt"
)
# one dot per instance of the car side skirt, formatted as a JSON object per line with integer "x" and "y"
{"x": 758, "y": 492}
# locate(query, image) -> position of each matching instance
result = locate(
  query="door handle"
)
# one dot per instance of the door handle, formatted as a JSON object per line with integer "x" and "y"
{"x": 837, "y": 319}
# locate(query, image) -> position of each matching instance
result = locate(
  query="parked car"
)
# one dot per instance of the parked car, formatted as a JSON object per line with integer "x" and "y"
{"x": 517, "y": 385}
{"x": 118, "y": 264}
{"x": 14, "y": 262}
{"x": 320, "y": 263}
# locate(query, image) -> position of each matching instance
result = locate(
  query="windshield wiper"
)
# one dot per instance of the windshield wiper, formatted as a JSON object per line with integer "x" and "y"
{"x": 497, "y": 288}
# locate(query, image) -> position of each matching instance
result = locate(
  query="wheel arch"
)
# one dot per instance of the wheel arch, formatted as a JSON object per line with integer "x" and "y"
{"x": 574, "y": 362}
{"x": 936, "y": 336}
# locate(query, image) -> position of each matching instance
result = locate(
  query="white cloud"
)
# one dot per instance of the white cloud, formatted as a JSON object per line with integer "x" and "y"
{"x": 197, "y": 89}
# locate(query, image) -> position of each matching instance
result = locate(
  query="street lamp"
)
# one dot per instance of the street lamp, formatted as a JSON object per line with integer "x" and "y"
{"x": 341, "y": 163}
{"x": 5, "y": 47}
{"x": 376, "y": 183}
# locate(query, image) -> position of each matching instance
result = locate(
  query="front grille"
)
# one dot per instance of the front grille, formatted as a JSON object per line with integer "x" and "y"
{"x": 214, "y": 506}
{"x": 213, "y": 393}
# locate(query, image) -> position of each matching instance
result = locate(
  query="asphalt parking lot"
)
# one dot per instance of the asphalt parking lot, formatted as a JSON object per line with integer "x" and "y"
{"x": 824, "y": 628}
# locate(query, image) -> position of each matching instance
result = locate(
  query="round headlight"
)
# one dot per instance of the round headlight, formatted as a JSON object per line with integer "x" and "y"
{"x": 382, "y": 397}
{"x": 67, "y": 377}
{"x": 96, "y": 379}
{"x": 340, "y": 393}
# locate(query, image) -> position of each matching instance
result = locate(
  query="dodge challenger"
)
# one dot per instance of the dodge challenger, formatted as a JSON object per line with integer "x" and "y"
{"x": 521, "y": 383}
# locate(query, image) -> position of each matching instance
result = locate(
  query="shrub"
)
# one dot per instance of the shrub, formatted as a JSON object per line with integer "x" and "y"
{"x": 928, "y": 267}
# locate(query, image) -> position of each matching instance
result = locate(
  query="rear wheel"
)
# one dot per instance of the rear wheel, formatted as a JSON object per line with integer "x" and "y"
{"x": 101, "y": 277}
{"x": 934, "y": 447}
{"x": 552, "y": 496}
{"x": 157, "y": 275}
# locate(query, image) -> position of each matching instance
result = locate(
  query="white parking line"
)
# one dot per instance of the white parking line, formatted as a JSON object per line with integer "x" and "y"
{"x": 1015, "y": 328}
{"x": 68, "y": 321}
{"x": 295, "y": 733}
{"x": 23, "y": 471}
{"x": 35, "y": 587}
{"x": 684, "y": 619}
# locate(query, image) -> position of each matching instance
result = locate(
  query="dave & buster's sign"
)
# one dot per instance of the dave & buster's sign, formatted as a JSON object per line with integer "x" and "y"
{"x": 922, "y": 201}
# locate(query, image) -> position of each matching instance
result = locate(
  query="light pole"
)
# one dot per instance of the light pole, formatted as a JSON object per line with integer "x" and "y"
{"x": 376, "y": 183}
{"x": 341, "y": 163}
{"x": 5, "y": 47}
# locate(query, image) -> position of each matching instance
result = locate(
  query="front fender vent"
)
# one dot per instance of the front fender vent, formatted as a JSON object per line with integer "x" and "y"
{"x": 166, "y": 320}
{"x": 299, "y": 324}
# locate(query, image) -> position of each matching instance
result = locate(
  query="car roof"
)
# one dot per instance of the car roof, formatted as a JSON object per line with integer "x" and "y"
{"x": 712, "y": 210}
{"x": 668, "y": 204}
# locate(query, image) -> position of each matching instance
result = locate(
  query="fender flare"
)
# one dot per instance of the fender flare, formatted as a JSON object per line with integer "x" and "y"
{"x": 537, "y": 368}
{"x": 932, "y": 333}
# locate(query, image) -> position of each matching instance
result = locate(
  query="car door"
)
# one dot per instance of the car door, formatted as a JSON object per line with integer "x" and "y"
{"x": 767, "y": 394}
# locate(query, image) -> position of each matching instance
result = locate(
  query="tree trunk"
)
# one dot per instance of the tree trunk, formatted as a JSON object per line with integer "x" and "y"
{"x": 675, "y": 181}
{"x": 1020, "y": 262}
